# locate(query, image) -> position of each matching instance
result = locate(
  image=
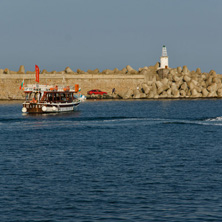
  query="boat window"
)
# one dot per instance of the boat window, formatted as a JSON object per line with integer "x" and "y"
{"x": 68, "y": 96}
{"x": 63, "y": 97}
{"x": 27, "y": 96}
{"x": 40, "y": 95}
{"x": 53, "y": 97}
{"x": 49, "y": 95}
{"x": 31, "y": 96}
{"x": 44, "y": 97}
{"x": 57, "y": 97}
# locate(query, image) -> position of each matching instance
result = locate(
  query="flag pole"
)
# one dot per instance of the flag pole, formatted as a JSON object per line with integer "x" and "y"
{"x": 37, "y": 79}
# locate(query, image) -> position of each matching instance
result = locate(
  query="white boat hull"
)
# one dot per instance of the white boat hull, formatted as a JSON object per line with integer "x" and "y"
{"x": 49, "y": 107}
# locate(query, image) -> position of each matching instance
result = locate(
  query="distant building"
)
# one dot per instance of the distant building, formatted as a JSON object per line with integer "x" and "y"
{"x": 164, "y": 61}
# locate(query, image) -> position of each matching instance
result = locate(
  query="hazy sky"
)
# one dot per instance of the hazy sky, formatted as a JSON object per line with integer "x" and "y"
{"x": 89, "y": 34}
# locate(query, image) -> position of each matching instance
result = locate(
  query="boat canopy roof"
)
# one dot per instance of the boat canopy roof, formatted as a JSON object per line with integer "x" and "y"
{"x": 49, "y": 88}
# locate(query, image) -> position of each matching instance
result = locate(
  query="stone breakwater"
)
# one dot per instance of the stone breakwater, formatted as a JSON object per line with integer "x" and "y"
{"x": 144, "y": 83}
{"x": 178, "y": 83}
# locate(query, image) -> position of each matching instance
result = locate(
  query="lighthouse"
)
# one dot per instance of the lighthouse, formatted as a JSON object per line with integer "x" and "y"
{"x": 164, "y": 62}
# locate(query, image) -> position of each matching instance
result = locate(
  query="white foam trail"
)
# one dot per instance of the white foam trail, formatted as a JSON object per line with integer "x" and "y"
{"x": 219, "y": 118}
{"x": 131, "y": 119}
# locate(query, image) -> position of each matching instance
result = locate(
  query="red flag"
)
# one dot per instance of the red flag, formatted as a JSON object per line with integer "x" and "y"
{"x": 36, "y": 73}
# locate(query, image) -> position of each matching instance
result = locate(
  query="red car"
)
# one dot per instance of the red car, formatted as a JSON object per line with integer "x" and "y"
{"x": 96, "y": 92}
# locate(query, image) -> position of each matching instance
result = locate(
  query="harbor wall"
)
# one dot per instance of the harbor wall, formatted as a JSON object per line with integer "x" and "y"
{"x": 10, "y": 83}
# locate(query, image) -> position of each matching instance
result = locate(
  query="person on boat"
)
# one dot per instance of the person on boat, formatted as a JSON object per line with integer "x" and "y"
{"x": 34, "y": 100}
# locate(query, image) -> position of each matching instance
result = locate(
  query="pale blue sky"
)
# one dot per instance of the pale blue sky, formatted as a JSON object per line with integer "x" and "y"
{"x": 91, "y": 34}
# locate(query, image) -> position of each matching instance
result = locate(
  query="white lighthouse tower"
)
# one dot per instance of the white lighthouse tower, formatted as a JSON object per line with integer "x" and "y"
{"x": 164, "y": 62}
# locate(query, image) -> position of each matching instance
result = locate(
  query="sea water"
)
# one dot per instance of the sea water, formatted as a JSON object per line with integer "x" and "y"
{"x": 113, "y": 161}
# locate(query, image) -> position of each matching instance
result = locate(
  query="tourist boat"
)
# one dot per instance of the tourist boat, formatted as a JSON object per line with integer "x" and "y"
{"x": 50, "y": 99}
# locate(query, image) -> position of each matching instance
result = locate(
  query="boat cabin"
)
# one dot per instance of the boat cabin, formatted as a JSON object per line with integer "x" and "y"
{"x": 43, "y": 94}
{"x": 57, "y": 97}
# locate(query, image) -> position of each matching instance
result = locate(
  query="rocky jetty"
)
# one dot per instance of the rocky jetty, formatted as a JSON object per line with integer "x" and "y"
{"x": 176, "y": 83}
{"x": 145, "y": 83}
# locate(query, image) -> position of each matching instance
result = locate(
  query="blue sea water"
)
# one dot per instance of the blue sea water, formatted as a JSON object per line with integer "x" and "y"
{"x": 113, "y": 161}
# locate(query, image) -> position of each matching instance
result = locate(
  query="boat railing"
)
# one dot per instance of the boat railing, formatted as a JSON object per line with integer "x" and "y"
{"x": 42, "y": 88}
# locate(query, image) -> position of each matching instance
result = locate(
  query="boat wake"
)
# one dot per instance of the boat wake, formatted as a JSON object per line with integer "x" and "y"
{"x": 219, "y": 118}
{"x": 216, "y": 121}
{"x": 45, "y": 122}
